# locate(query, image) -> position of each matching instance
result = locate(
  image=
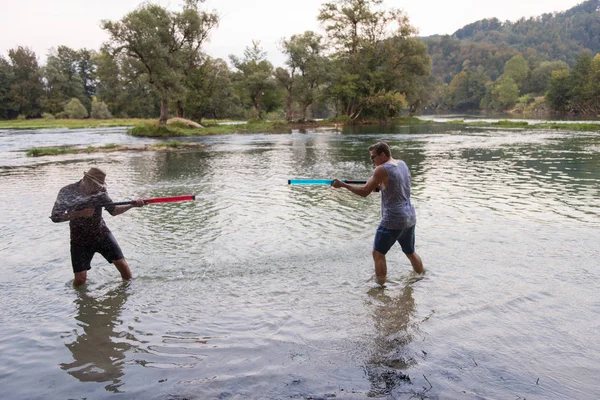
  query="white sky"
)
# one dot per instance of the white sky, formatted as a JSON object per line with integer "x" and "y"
{"x": 43, "y": 24}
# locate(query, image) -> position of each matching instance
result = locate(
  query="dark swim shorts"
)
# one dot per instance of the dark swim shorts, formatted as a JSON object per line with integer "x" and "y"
{"x": 81, "y": 256}
{"x": 385, "y": 239}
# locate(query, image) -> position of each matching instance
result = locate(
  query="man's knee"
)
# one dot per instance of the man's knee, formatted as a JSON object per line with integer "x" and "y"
{"x": 377, "y": 255}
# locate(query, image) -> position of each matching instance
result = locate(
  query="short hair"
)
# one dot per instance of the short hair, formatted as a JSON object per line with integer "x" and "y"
{"x": 381, "y": 147}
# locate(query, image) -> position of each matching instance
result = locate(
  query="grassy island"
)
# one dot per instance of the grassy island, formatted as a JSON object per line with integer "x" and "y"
{"x": 55, "y": 151}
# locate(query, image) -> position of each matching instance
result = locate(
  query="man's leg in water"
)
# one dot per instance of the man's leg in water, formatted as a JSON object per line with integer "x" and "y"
{"x": 380, "y": 266}
{"x": 416, "y": 263}
{"x": 123, "y": 268}
{"x": 80, "y": 278}
{"x": 407, "y": 242}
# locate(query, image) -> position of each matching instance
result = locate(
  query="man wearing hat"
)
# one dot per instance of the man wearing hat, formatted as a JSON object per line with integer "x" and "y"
{"x": 81, "y": 204}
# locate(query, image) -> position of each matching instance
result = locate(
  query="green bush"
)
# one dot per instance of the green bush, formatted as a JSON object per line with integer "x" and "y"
{"x": 75, "y": 110}
{"x": 100, "y": 110}
{"x": 21, "y": 117}
{"x": 274, "y": 116}
{"x": 526, "y": 99}
{"x": 52, "y": 151}
{"x": 152, "y": 130}
{"x": 48, "y": 116}
{"x": 538, "y": 105}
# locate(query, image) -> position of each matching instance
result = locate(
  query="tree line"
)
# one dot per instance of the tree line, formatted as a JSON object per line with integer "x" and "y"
{"x": 548, "y": 86}
{"x": 367, "y": 65}
{"x": 540, "y": 64}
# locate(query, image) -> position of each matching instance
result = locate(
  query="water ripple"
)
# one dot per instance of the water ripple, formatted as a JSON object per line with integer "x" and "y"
{"x": 262, "y": 290}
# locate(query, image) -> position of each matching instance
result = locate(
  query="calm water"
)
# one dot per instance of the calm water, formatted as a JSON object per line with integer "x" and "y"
{"x": 259, "y": 290}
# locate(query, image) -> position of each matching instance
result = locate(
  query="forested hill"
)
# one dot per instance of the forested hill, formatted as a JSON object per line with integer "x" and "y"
{"x": 489, "y": 43}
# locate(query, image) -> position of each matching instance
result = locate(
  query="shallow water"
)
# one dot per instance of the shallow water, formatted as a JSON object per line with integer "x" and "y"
{"x": 262, "y": 290}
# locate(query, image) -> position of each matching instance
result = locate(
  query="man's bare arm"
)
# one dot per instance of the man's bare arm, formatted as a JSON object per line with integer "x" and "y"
{"x": 372, "y": 184}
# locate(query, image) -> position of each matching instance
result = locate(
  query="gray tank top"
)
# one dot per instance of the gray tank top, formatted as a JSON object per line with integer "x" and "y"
{"x": 397, "y": 212}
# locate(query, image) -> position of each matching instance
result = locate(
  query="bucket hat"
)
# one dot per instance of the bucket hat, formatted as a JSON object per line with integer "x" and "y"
{"x": 97, "y": 176}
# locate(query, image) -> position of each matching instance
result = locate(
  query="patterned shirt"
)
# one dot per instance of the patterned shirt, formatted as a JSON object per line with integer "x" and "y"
{"x": 84, "y": 231}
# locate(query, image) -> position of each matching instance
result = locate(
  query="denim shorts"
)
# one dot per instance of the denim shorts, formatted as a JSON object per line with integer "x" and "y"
{"x": 385, "y": 239}
{"x": 81, "y": 256}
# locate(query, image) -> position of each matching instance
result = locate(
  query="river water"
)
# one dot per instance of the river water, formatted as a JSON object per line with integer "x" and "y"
{"x": 260, "y": 290}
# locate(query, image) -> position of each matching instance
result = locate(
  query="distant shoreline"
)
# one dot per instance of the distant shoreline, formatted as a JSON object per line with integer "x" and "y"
{"x": 149, "y": 128}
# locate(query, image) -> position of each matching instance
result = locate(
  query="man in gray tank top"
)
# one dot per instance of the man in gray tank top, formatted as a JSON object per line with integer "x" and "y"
{"x": 398, "y": 217}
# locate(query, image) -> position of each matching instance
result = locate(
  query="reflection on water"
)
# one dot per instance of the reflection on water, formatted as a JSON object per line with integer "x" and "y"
{"x": 99, "y": 351}
{"x": 392, "y": 309}
{"x": 257, "y": 288}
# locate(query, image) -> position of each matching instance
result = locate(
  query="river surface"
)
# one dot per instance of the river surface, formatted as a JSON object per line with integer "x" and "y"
{"x": 261, "y": 290}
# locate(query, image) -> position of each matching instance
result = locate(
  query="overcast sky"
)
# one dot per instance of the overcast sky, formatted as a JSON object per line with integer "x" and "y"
{"x": 43, "y": 24}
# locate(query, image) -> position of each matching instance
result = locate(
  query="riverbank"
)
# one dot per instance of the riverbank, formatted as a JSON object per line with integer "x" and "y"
{"x": 41, "y": 123}
{"x": 177, "y": 128}
{"x": 510, "y": 124}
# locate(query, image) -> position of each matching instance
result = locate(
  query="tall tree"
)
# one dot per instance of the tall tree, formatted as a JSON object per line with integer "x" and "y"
{"x": 211, "y": 91}
{"x": 254, "y": 78}
{"x": 517, "y": 69}
{"x": 123, "y": 88}
{"x": 27, "y": 89}
{"x": 109, "y": 77}
{"x": 540, "y": 76}
{"x": 287, "y": 80}
{"x": 466, "y": 91}
{"x": 354, "y": 24}
{"x": 164, "y": 43}
{"x": 581, "y": 96}
{"x": 594, "y": 84}
{"x": 6, "y": 81}
{"x": 374, "y": 48}
{"x": 405, "y": 66}
{"x": 63, "y": 79}
{"x": 306, "y": 70}
{"x": 86, "y": 68}
{"x": 559, "y": 93}
{"x": 505, "y": 93}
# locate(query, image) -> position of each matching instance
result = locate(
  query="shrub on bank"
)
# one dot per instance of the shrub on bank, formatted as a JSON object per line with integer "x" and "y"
{"x": 75, "y": 110}
{"x": 100, "y": 110}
